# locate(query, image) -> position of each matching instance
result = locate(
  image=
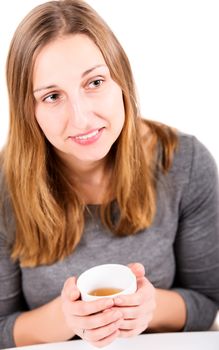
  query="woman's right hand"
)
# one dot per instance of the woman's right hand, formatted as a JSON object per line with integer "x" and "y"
{"x": 94, "y": 321}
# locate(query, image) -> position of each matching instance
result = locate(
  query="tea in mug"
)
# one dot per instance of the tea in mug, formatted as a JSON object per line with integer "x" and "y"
{"x": 101, "y": 292}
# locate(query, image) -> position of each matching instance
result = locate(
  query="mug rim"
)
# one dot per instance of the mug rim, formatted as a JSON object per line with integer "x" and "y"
{"x": 84, "y": 289}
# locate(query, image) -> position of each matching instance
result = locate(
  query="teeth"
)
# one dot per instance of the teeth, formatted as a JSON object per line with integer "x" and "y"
{"x": 88, "y": 136}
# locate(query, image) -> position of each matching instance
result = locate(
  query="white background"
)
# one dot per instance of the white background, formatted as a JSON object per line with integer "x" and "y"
{"x": 173, "y": 46}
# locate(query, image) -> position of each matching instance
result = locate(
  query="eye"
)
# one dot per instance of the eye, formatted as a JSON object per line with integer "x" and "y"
{"x": 95, "y": 83}
{"x": 51, "y": 98}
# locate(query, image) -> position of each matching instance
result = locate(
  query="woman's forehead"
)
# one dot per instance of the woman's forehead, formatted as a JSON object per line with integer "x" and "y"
{"x": 75, "y": 52}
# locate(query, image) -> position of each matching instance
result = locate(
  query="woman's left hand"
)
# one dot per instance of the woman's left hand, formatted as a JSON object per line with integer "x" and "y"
{"x": 137, "y": 308}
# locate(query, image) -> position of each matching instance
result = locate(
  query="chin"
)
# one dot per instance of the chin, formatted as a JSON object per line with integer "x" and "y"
{"x": 95, "y": 156}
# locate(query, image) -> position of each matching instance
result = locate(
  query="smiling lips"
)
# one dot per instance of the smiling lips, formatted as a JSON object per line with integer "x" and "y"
{"x": 88, "y": 138}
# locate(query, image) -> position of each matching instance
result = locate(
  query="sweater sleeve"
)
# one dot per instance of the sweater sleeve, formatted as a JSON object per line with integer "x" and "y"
{"x": 11, "y": 297}
{"x": 197, "y": 242}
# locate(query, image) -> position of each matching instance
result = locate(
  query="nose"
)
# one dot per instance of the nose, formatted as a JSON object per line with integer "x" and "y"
{"x": 79, "y": 112}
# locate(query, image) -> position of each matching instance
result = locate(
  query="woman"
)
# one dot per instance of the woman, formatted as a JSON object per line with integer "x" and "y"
{"x": 86, "y": 181}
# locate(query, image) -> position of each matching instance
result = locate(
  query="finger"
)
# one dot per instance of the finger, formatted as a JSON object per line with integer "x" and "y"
{"x": 134, "y": 299}
{"x": 84, "y": 308}
{"x": 70, "y": 290}
{"x": 135, "y": 323}
{"x": 97, "y": 320}
{"x": 106, "y": 341}
{"x": 131, "y": 333}
{"x": 137, "y": 269}
{"x": 97, "y": 334}
{"x": 130, "y": 312}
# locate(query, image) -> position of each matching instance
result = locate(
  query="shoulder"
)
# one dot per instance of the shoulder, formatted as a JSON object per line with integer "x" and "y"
{"x": 192, "y": 157}
{"x": 194, "y": 172}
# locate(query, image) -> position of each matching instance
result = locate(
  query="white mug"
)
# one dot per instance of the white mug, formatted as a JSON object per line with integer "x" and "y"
{"x": 113, "y": 278}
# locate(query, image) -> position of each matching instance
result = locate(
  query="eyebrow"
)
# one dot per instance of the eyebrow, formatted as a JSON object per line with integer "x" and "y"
{"x": 83, "y": 75}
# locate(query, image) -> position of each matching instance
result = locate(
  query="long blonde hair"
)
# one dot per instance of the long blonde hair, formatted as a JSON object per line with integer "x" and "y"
{"x": 48, "y": 210}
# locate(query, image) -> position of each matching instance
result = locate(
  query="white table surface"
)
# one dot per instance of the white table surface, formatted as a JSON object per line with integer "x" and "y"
{"x": 164, "y": 341}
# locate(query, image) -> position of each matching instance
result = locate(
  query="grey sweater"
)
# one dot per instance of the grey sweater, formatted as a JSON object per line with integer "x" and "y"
{"x": 179, "y": 251}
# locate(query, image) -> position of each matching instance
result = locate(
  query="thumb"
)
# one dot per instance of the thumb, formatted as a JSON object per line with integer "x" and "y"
{"x": 70, "y": 289}
{"x": 137, "y": 269}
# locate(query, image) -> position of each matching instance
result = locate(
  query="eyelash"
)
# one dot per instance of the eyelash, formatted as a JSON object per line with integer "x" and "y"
{"x": 56, "y": 94}
{"x": 50, "y": 95}
{"x": 95, "y": 80}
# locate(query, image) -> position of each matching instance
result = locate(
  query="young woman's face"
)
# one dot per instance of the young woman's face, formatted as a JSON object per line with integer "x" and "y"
{"x": 78, "y": 106}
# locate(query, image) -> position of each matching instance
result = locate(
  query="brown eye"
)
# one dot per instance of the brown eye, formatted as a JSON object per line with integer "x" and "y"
{"x": 96, "y": 83}
{"x": 51, "y": 98}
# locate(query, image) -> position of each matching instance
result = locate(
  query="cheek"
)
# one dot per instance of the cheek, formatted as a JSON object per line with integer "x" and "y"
{"x": 119, "y": 110}
{"x": 50, "y": 124}
{"x": 113, "y": 106}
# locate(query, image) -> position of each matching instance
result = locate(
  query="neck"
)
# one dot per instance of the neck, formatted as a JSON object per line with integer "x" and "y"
{"x": 90, "y": 173}
{"x": 91, "y": 179}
